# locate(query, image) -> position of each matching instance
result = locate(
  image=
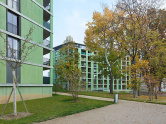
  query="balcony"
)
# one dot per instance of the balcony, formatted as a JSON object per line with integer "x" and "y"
{"x": 46, "y": 43}
{"x": 46, "y": 62}
{"x": 83, "y": 64}
{"x": 83, "y": 53}
{"x": 47, "y": 7}
{"x": 46, "y": 24}
{"x": 89, "y": 54}
{"x": 83, "y": 59}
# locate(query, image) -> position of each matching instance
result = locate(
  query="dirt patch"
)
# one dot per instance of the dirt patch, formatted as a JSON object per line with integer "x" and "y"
{"x": 19, "y": 115}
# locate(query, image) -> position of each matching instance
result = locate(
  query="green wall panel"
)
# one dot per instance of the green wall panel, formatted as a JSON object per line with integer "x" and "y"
{"x": 51, "y": 23}
{"x": 35, "y": 56}
{"x": 40, "y": 2}
{"x": 37, "y": 34}
{"x": 31, "y": 74}
{"x": 3, "y": 17}
{"x": 2, "y": 71}
{"x": 4, "y": 1}
{"x": 32, "y": 10}
{"x": 51, "y": 2}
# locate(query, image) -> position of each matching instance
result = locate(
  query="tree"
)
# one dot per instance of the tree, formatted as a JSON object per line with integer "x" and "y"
{"x": 152, "y": 84}
{"x": 134, "y": 34}
{"x": 101, "y": 37}
{"x": 136, "y": 69}
{"x": 156, "y": 53}
{"x": 67, "y": 67}
{"x": 15, "y": 57}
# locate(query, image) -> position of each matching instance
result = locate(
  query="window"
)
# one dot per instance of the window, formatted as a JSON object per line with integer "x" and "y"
{"x": 12, "y": 23}
{"x": 13, "y": 48}
{"x": 14, "y": 4}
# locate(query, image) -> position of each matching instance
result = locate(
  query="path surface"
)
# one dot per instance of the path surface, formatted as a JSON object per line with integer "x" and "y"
{"x": 125, "y": 112}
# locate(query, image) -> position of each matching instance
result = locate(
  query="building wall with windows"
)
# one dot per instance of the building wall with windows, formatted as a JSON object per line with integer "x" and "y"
{"x": 16, "y": 18}
{"x": 91, "y": 74}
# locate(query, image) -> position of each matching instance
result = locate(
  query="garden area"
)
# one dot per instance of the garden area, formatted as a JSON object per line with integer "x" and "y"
{"x": 52, "y": 107}
{"x": 126, "y": 96}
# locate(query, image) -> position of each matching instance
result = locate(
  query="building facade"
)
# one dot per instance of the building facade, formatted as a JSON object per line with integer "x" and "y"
{"x": 16, "y": 18}
{"x": 95, "y": 81}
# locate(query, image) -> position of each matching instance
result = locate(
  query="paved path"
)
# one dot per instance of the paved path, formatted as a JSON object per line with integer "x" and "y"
{"x": 125, "y": 112}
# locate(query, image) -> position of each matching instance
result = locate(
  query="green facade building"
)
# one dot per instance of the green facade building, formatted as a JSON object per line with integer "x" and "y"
{"x": 95, "y": 81}
{"x": 16, "y": 18}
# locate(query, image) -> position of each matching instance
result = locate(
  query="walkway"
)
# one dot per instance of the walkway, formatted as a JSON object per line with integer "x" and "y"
{"x": 125, "y": 112}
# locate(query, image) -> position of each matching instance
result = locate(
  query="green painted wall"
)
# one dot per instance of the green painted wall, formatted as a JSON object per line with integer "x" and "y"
{"x": 27, "y": 93}
{"x": 36, "y": 34}
{"x": 2, "y": 71}
{"x": 3, "y": 18}
{"x": 40, "y": 2}
{"x": 51, "y": 23}
{"x": 51, "y": 2}
{"x": 37, "y": 55}
{"x": 31, "y": 74}
{"x": 4, "y": 1}
{"x": 34, "y": 12}
{"x": 51, "y": 60}
{"x": 2, "y": 43}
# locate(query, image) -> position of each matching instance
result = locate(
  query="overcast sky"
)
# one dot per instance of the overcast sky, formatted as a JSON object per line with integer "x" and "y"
{"x": 70, "y": 17}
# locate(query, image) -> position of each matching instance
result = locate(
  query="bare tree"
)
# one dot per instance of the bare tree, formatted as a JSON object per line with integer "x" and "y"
{"x": 15, "y": 55}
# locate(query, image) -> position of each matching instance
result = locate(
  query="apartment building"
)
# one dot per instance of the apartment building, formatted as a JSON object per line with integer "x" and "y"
{"x": 91, "y": 74}
{"x": 16, "y": 18}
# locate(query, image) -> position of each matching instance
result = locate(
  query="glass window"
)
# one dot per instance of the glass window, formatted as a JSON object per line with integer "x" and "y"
{"x": 14, "y": 4}
{"x": 12, "y": 22}
{"x": 13, "y": 48}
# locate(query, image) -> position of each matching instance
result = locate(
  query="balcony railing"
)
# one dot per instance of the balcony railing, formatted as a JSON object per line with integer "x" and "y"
{"x": 83, "y": 53}
{"x": 83, "y": 59}
{"x": 83, "y": 64}
{"x": 46, "y": 24}
{"x": 47, "y": 7}
{"x": 46, "y": 43}
{"x": 46, "y": 61}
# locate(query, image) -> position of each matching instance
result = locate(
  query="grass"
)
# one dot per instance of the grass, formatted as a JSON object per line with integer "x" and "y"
{"x": 51, "y": 107}
{"x": 126, "y": 96}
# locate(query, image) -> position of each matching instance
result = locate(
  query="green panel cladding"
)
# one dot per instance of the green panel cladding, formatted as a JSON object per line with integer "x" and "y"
{"x": 35, "y": 12}
{"x": 31, "y": 74}
{"x": 4, "y": 1}
{"x": 3, "y": 18}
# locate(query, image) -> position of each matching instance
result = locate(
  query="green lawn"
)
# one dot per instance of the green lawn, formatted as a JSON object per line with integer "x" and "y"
{"x": 126, "y": 96}
{"x": 51, "y": 107}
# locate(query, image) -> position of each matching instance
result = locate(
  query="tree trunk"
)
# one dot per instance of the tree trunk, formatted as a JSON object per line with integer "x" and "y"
{"x": 14, "y": 93}
{"x": 155, "y": 92}
{"x": 135, "y": 91}
{"x": 138, "y": 92}
{"x": 111, "y": 83}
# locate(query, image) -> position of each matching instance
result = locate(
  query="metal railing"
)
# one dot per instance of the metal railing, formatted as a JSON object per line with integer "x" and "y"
{"x": 46, "y": 61}
{"x": 46, "y": 43}
{"x": 47, "y": 7}
{"x": 46, "y": 24}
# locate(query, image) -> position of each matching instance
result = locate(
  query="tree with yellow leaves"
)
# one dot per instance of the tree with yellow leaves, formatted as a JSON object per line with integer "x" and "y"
{"x": 67, "y": 68}
{"x": 101, "y": 38}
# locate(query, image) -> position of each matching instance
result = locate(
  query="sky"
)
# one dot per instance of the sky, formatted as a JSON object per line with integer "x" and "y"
{"x": 70, "y": 17}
